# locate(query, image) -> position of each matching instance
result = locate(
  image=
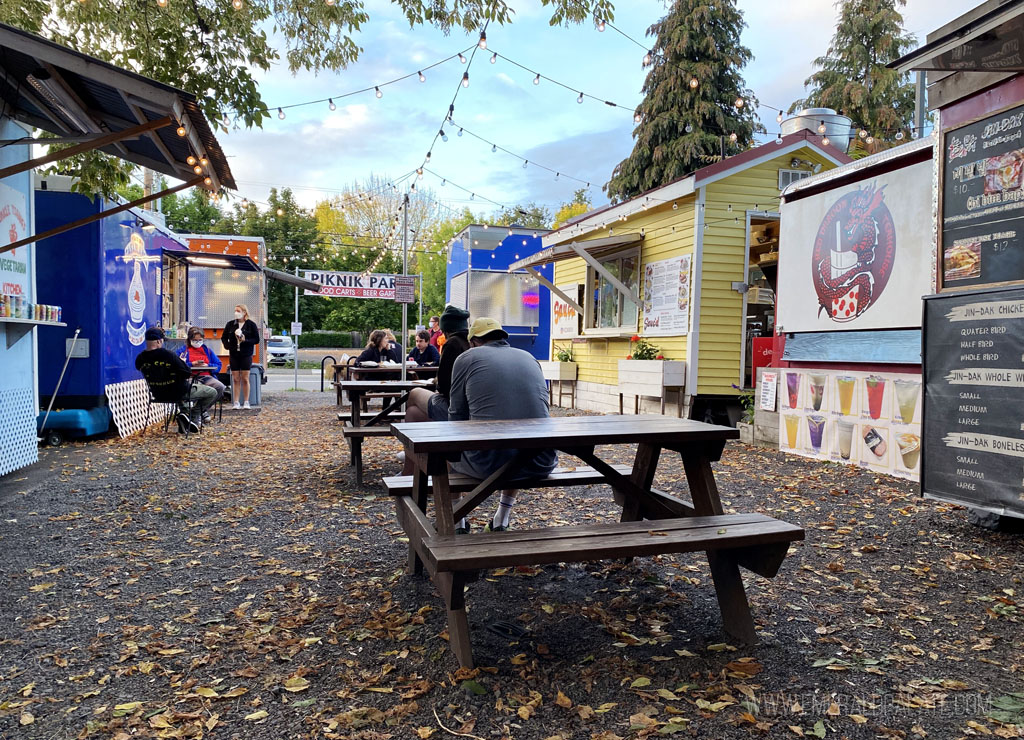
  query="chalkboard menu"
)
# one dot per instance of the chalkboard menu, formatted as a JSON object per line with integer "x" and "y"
{"x": 983, "y": 202}
{"x": 973, "y": 424}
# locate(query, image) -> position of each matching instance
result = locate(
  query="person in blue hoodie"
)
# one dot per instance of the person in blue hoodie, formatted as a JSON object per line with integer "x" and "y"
{"x": 195, "y": 352}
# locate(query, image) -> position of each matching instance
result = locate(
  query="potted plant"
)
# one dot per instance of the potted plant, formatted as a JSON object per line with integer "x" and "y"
{"x": 563, "y": 367}
{"x": 646, "y": 372}
{"x": 746, "y": 422}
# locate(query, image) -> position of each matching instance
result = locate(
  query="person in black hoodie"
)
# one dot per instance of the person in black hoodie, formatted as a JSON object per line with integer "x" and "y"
{"x": 239, "y": 337}
{"x": 379, "y": 350}
{"x": 424, "y": 405}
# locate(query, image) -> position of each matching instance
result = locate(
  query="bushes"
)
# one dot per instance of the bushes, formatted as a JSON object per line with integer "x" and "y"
{"x": 325, "y": 339}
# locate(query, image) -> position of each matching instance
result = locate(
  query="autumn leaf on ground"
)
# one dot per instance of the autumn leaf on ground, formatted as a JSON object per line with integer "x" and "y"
{"x": 296, "y": 683}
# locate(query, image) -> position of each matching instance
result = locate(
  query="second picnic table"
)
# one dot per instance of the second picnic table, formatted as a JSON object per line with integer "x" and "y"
{"x": 757, "y": 542}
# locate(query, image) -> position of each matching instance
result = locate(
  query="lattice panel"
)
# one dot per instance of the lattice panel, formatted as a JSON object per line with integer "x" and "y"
{"x": 19, "y": 445}
{"x": 129, "y": 402}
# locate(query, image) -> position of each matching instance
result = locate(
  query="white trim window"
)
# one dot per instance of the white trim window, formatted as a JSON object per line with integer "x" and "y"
{"x": 607, "y": 307}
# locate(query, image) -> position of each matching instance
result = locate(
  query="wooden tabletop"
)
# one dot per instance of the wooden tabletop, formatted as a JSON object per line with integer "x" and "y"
{"x": 382, "y": 385}
{"x": 560, "y": 432}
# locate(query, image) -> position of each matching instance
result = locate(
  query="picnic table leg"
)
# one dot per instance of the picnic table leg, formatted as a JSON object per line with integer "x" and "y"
{"x": 357, "y": 458}
{"x": 725, "y": 571}
{"x": 453, "y": 589}
{"x": 355, "y": 397}
{"x": 419, "y": 497}
{"x": 644, "y": 466}
{"x": 445, "y": 524}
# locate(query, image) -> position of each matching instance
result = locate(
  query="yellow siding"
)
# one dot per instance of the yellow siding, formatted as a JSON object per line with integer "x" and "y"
{"x": 598, "y": 358}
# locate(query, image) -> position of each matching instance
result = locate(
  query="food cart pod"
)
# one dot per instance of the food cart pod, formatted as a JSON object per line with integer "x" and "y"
{"x": 676, "y": 267}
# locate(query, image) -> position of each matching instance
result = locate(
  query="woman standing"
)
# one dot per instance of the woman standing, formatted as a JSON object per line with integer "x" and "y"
{"x": 240, "y": 336}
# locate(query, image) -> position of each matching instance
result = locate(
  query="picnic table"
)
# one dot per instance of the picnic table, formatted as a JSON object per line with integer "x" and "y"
{"x": 351, "y": 371}
{"x": 394, "y": 392}
{"x": 757, "y": 542}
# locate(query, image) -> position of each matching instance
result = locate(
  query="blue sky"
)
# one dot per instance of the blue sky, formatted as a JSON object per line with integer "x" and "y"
{"x": 317, "y": 152}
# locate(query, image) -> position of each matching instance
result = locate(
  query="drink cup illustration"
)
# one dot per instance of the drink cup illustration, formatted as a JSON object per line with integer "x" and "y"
{"x": 910, "y": 449}
{"x": 876, "y": 392}
{"x": 817, "y": 390}
{"x": 875, "y": 442}
{"x": 792, "y": 428}
{"x": 816, "y": 426}
{"x": 793, "y": 386}
{"x": 906, "y": 396}
{"x": 845, "y": 438}
{"x": 845, "y": 385}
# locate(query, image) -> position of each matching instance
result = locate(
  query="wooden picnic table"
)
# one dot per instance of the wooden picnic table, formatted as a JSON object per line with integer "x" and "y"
{"x": 757, "y": 542}
{"x": 351, "y": 371}
{"x": 394, "y": 392}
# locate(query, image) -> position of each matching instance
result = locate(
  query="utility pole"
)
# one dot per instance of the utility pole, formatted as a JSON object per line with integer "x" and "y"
{"x": 295, "y": 339}
{"x": 405, "y": 270}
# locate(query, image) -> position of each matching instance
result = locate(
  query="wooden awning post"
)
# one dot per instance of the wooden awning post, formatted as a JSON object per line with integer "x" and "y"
{"x": 97, "y": 216}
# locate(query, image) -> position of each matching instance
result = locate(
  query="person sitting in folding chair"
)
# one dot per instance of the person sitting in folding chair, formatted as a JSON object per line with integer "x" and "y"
{"x": 169, "y": 380}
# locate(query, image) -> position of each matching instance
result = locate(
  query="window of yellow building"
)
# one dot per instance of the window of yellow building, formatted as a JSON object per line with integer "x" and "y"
{"x": 609, "y": 308}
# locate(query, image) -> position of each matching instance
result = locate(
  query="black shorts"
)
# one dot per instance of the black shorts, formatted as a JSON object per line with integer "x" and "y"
{"x": 437, "y": 408}
{"x": 239, "y": 362}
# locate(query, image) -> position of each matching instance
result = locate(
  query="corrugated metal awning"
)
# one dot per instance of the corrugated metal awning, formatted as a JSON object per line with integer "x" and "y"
{"x": 565, "y": 251}
{"x": 290, "y": 279}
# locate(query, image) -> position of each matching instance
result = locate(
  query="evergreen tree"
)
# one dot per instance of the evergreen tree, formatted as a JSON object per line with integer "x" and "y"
{"x": 852, "y": 77}
{"x": 683, "y": 127}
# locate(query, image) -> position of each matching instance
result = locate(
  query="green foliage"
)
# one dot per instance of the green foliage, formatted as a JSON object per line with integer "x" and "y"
{"x": 641, "y": 349}
{"x": 682, "y": 128}
{"x": 747, "y": 403}
{"x": 528, "y": 216}
{"x": 193, "y": 212}
{"x": 852, "y": 77}
{"x": 579, "y": 205}
{"x": 563, "y": 354}
{"x": 433, "y": 262}
{"x": 216, "y": 52}
{"x": 326, "y": 339}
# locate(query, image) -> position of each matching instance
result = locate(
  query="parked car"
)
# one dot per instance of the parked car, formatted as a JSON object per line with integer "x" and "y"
{"x": 280, "y": 350}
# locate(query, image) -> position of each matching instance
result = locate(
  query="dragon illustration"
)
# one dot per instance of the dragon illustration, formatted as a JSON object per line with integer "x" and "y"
{"x": 846, "y": 292}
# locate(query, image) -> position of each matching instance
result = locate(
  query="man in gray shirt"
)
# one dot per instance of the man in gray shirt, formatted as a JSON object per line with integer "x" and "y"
{"x": 495, "y": 381}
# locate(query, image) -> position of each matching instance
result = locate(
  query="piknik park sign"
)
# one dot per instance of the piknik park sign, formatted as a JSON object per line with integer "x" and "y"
{"x": 352, "y": 284}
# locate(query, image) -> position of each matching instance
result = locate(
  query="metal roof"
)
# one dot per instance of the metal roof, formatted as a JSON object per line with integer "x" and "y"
{"x": 565, "y": 251}
{"x": 71, "y": 94}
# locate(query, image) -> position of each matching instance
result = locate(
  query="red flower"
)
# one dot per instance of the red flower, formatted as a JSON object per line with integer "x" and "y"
{"x": 660, "y": 357}
{"x": 629, "y": 357}
{"x": 635, "y": 338}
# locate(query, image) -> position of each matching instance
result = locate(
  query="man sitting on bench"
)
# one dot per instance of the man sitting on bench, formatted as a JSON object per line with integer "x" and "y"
{"x": 495, "y": 381}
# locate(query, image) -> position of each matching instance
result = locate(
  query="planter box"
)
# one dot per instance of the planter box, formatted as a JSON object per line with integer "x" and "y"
{"x": 650, "y": 377}
{"x": 746, "y": 433}
{"x": 555, "y": 370}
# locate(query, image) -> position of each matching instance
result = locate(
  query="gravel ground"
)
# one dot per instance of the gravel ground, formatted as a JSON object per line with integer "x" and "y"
{"x": 240, "y": 584}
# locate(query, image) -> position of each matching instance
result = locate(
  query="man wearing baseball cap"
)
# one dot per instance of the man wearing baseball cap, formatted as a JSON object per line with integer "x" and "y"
{"x": 167, "y": 376}
{"x": 495, "y": 381}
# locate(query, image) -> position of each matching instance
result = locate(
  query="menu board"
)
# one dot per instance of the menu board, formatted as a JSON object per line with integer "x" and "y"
{"x": 666, "y": 297}
{"x": 974, "y": 399}
{"x": 871, "y": 420}
{"x": 983, "y": 202}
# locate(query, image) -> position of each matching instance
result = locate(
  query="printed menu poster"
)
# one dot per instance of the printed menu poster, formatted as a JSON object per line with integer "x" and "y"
{"x": 974, "y": 399}
{"x": 564, "y": 319}
{"x": 983, "y": 202}
{"x": 666, "y": 297}
{"x": 872, "y": 420}
{"x": 13, "y": 227}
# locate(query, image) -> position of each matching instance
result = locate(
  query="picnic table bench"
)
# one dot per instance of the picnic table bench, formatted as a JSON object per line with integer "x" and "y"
{"x": 358, "y": 427}
{"x": 758, "y": 543}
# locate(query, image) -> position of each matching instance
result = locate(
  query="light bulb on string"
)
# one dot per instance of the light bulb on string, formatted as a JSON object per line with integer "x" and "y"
{"x": 460, "y": 132}
{"x": 869, "y": 140}
{"x": 600, "y": 25}
{"x": 198, "y": 170}
{"x": 525, "y": 162}
{"x": 675, "y": 206}
{"x": 225, "y": 120}
{"x": 472, "y": 196}
{"x": 331, "y": 104}
{"x": 462, "y": 57}
{"x": 427, "y": 160}
{"x": 330, "y": 2}
{"x": 237, "y": 4}
{"x": 443, "y": 182}
{"x": 580, "y": 98}
{"x": 191, "y": 160}
{"x": 689, "y": 128}
{"x": 444, "y": 136}
{"x": 536, "y": 80}
{"x": 280, "y": 211}
{"x": 419, "y": 172}
{"x": 181, "y": 131}
{"x": 162, "y": 3}
{"x": 377, "y": 92}
{"x": 648, "y": 58}
{"x": 465, "y": 79}
{"x": 208, "y": 181}
{"x": 899, "y": 136}
{"x": 738, "y": 102}
{"x": 494, "y": 57}
{"x": 863, "y": 133}
{"x": 778, "y": 118}
{"x": 821, "y": 127}
{"x": 556, "y": 176}
{"x": 280, "y": 114}
{"x": 693, "y": 83}
{"x": 204, "y": 161}
{"x": 778, "y": 138}
{"x": 733, "y": 137}
{"x": 482, "y": 43}
{"x": 245, "y": 203}
{"x": 825, "y": 141}
{"x": 637, "y": 117}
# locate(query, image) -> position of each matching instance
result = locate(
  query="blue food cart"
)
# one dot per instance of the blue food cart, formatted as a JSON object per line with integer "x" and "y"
{"x": 115, "y": 278}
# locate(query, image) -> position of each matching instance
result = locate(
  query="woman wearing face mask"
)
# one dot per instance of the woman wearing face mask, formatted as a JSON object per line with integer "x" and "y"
{"x": 195, "y": 352}
{"x": 239, "y": 337}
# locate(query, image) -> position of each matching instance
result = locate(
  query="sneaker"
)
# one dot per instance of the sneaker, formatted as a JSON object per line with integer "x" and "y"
{"x": 206, "y": 417}
{"x": 237, "y": 406}
{"x": 246, "y": 405}
{"x": 491, "y": 528}
{"x": 462, "y": 530}
{"x": 186, "y": 424}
